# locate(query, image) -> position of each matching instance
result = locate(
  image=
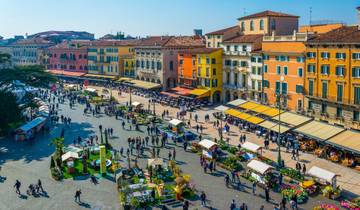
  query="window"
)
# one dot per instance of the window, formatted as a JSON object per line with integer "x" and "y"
{"x": 324, "y": 89}
{"x": 265, "y": 57}
{"x": 356, "y": 116}
{"x": 244, "y": 48}
{"x": 243, "y": 64}
{"x": 259, "y": 85}
{"x": 253, "y": 84}
{"x": 251, "y": 25}
{"x": 300, "y": 59}
{"x": 341, "y": 56}
{"x": 323, "y": 108}
{"x": 148, "y": 64}
{"x": 234, "y": 63}
{"x": 299, "y": 89}
{"x": 218, "y": 45}
{"x": 311, "y": 68}
{"x": 153, "y": 64}
{"x": 356, "y": 56}
{"x": 214, "y": 72}
{"x": 356, "y": 72}
{"x": 261, "y": 24}
{"x": 228, "y": 48}
{"x": 277, "y": 87}
{"x": 214, "y": 83}
{"x": 311, "y": 54}
{"x": 199, "y": 60}
{"x": 259, "y": 70}
{"x": 284, "y": 87}
{"x": 213, "y": 61}
{"x": 199, "y": 72}
{"x": 311, "y": 87}
{"x": 325, "y": 55}
{"x": 207, "y": 60}
{"x": 235, "y": 48}
{"x": 253, "y": 59}
{"x": 137, "y": 63}
{"x": 227, "y": 62}
{"x": 356, "y": 95}
{"x": 209, "y": 44}
{"x": 265, "y": 68}
{"x": 266, "y": 83}
{"x": 253, "y": 70}
{"x": 243, "y": 26}
{"x": 158, "y": 65}
{"x": 339, "y": 95}
{"x": 278, "y": 70}
{"x": 207, "y": 72}
{"x": 236, "y": 79}
{"x": 273, "y": 24}
{"x": 340, "y": 70}
{"x": 285, "y": 70}
{"x": 338, "y": 111}
{"x": 310, "y": 105}
{"x": 325, "y": 69}
{"x": 300, "y": 72}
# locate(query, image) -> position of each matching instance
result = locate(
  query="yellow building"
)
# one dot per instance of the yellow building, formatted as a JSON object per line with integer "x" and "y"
{"x": 201, "y": 69}
{"x": 106, "y": 57}
{"x": 332, "y": 82}
{"x": 129, "y": 66}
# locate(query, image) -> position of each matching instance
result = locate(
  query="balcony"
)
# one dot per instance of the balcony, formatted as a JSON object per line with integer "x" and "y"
{"x": 234, "y": 87}
{"x": 237, "y": 53}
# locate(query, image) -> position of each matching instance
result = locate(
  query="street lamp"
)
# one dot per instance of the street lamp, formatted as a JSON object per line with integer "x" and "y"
{"x": 279, "y": 160}
{"x": 130, "y": 96}
{"x": 221, "y": 127}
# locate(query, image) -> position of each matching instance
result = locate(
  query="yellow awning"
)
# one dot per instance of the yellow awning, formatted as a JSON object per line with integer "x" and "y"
{"x": 319, "y": 130}
{"x": 100, "y": 76}
{"x": 200, "y": 92}
{"x": 348, "y": 139}
{"x": 244, "y": 116}
{"x": 144, "y": 84}
{"x": 254, "y": 120}
{"x": 232, "y": 112}
{"x": 249, "y": 105}
{"x": 292, "y": 118}
{"x": 272, "y": 112}
{"x": 123, "y": 79}
{"x": 260, "y": 108}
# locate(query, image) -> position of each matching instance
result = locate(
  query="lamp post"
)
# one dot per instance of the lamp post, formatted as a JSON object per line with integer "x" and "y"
{"x": 221, "y": 127}
{"x": 153, "y": 102}
{"x": 130, "y": 95}
{"x": 279, "y": 160}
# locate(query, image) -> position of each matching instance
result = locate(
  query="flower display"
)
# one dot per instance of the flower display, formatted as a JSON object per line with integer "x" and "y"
{"x": 353, "y": 204}
{"x": 325, "y": 206}
{"x": 288, "y": 191}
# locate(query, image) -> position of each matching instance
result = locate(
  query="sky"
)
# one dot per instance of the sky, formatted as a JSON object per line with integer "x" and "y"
{"x": 156, "y": 17}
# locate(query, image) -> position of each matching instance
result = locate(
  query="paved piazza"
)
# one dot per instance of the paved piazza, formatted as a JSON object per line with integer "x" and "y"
{"x": 27, "y": 163}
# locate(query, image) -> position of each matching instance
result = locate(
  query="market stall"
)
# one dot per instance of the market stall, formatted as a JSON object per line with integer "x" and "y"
{"x": 252, "y": 148}
{"x": 177, "y": 126}
{"x": 29, "y": 130}
{"x": 209, "y": 147}
{"x": 69, "y": 158}
{"x": 260, "y": 171}
{"x": 327, "y": 179}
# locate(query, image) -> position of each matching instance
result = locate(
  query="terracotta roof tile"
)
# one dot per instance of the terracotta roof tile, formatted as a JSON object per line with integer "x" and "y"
{"x": 172, "y": 41}
{"x": 201, "y": 50}
{"x": 110, "y": 42}
{"x": 345, "y": 34}
{"x": 39, "y": 41}
{"x": 255, "y": 39}
{"x": 267, "y": 13}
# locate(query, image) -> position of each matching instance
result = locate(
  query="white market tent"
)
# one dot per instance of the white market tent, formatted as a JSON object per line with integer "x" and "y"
{"x": 135, "y": 104}
{"x": 155, "y": 162}
{"x": 236, "y": 102}
{"x": 321, "y": 174}
{"x": 175, "y": 122}
{"x": 69, "y": 155}
{"x": 221, "y": 108}
{"x": 92, "y": 90}
{"x": 259, "y": 166}
{"x": 251, "y": 146}
{"x": 32, "y": 124}
{"x": 207, "y": 144}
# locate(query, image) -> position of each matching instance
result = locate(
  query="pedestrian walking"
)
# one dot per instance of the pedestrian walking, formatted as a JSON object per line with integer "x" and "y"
{"x": 254, "y": 187}
{"x": 77, "y": 196}
{"x": 203, "y": 197}
{"x": 267, "y": 194}
{"x": 39, "y": 184}
{"x": 233, "y": 205}
{"x": 17, "y": 186}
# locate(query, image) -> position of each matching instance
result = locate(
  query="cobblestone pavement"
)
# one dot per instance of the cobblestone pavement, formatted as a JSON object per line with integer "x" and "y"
{"x": 20, "y": 160}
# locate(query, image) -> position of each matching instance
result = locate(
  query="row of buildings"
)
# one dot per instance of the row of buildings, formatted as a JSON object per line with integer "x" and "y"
{"x": 266, "y": 57}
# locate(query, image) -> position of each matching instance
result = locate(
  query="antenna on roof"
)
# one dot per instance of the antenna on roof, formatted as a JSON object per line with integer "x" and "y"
{"x": 310, "y": 18}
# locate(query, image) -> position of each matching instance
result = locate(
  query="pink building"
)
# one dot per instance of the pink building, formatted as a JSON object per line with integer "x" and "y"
{"x": 68, "y": 56}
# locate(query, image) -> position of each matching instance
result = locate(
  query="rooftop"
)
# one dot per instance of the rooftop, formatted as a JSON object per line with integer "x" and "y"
{"x": 202, "y": 50}
{"x": 36, "y": 41}
{"x": 227, "y": 32}
{"x": 75, "y": 44}
{"x": 344, "y": 34}
{"x": 111, "y": 42}
{"x": 172, "y": 41}
{"x": 267, "y": 13}
{"x": 320, "y": 28}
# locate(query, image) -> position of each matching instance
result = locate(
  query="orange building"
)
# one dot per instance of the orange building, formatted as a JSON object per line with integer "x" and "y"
{"x": 284, "y": 66}
{"x": 319, "y": 28}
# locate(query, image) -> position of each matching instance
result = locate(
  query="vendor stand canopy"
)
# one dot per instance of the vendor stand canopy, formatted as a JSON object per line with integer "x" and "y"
{"x": 321, "y": 174}
{"x": 32, "y": 124}
{"x": 259, "y": 166}
{"x": 143, "y": 84}
{"x": 155, "y": 162}
{"x": 292, "y": 119}
{"x": 260, "y": 109}
{"x": 251, "y": 146}
{"x": 91, "y": 90}
{"x": 135, "y": 104}
{"x": 236, "y": 102}
{"x": 69, "y": 155}
{"x": 244, "y": 116}
{"x": 221, "y": 108}
{"x": 348, "y": 140}
{"x": 175, "y": 122}
{"x": 207, "y": 144}
{"x": 274, "y": 126}
{"x": 319, "y": 131}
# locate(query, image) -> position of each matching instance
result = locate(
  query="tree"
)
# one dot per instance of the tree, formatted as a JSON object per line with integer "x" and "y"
{"x": 32, "y": 75}
{"x": 9, "y": 111}
{"x": 4, "y": 58}
{"x": 59, "y": 144}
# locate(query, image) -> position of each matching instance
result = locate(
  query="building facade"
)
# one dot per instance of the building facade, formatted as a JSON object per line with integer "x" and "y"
{"x": 241, "y": 56}
{"x": 284, "y": 57}
{"x": 29, "y": 51}
{"x": 157, "y": 58}
{"x": 332, "y": 81}
{"x": 106, "y": 57}
{"x": 202, "y": 68}
{"x": 129, "y": 66}
{"x": 68, "y": 56}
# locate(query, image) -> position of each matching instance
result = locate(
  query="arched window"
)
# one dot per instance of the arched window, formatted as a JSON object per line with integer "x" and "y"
{"x": 273, "y": 24}
{"x": 243, "y": 26}
{"x": 251, "y": 25}
{"x": 261, "y": 24}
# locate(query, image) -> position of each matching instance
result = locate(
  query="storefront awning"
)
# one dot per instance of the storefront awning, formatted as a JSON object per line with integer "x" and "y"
{"x": 200, "y": 92}
{"x": 292, "y": 119}
{"x": 248, "y": 105}
{"x": 32, "y": 124}
{"x": 101, "y": 76}
{"x": 254, "y": 120}
{"x": 274, "y": 126}
{"x": 66, "y": 73}
{"x": 233, "y": 112}
{"x": 319, "y": 130}
{"x": 236, "y": 102}
{"x": 272, "y": 112}
{"x": 348, "y": 140}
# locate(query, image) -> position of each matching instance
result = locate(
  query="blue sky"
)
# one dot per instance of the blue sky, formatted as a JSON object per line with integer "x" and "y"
{"x": 155, "y": 17}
